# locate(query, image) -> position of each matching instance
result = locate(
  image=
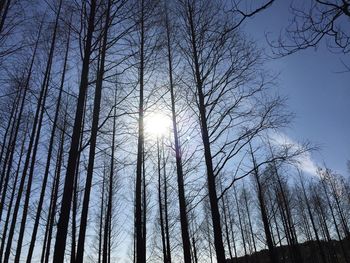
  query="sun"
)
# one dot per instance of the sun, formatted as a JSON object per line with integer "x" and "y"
{"x": 157, "y": 124}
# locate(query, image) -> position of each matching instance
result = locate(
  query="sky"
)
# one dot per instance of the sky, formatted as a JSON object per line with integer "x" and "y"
{"x": 317, "y": 93}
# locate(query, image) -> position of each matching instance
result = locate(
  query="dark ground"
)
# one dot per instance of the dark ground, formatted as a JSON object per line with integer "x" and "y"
{"x": 309, "y": 250}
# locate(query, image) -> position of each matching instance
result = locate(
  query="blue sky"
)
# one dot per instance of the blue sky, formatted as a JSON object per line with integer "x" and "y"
{"x": 317, "y": 93}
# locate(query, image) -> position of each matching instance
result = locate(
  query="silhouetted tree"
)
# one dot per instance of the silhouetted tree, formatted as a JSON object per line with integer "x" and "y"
{"x": 62, "y": 228}
{"x": 315, "y": 21}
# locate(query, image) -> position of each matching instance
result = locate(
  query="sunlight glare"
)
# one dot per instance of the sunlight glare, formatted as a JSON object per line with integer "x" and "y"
{"x": 157, "y": 124}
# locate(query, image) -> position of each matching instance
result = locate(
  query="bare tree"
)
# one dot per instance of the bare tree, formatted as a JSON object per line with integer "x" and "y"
{"x": 313, "y": 22}
{"x": 62, "y": 228}
{"x": 178, "y": 153}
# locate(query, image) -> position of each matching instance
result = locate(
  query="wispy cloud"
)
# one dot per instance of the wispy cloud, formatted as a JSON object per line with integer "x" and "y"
{"x": 305, "y": 161}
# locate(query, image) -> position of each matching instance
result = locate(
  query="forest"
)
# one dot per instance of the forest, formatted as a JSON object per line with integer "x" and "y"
{"x": 153, "y": 131}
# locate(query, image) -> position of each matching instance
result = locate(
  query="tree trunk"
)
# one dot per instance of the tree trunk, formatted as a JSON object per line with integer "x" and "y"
{"x": 140, "y": 250}
{"x": 4, "y": 14}
{"x": 249, "y": 218}
{"x": 323, "y": 257}
{"x": 241, "y": 226}
{"x": 94, "y": 130}
{"x": 62, "y": 227}
{"x": 7, "y": 221}
{"x": 167, "y": 232}
{"x": 18, "y": 124}
{"x": 335, "y": 221}
{"x": 49, "y": 154}
{"x": 186, "y": 244}
{"x": 227, "y": 233}
{"x": 54, "y": 195}
{"x": 219, "y": 246}
{"x": 29, "y": 162}
{"x": 264, "y": 217}
{"x": 10, "y": 128}
{"x": 108, "y": 219}
{"x": 101, "y": 233}
{"x": 160, "y": 205}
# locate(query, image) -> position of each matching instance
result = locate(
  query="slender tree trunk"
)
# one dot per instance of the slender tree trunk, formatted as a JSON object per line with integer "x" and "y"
{"x": 241, "y": 226}
{"x": 338, "y": 206}
{"x": 51, "y": 143}
{"x": 278, "y": 232}
{"x": 208, "y": 236}
{"x": 110, "y": 240}
{"x": 108, "y": 219}
{"x": 29, "y": 163}
{"x": 94, "y": 130}
{"x": 2, "y": 4}
{"x": 76, "y": 195}
{"x": 335, "y": 221}
{"x": 62, "y": 227}
{"x": 289, "y": 221}
{"x": 140, "y": 239}
{"x": 219, "y": 246}
{"x": 231, "y": 221}
{"x": 4, "y": 14}
{"x": 54, "y": 196}
{"x": 160, "y": 205}
{"x": 102, "y": 234}
{"x": 18, "y": 124}
{"x": 195, "y": 257}
{"x": 7, "y": 162}
{"x": 41, "y": 108}
{"x": 285, "y": 224}
{"x": 249, "y": 218}
{"x": 227, "y": 233}
{"x": 29, "y": 182}
{"x": 166, "y": 213}
{"x": 323, "y": 257}
{"x": 178, "y": 156}
{"x": 9, "y": 130}
{"x": 7, "y": 221}
{"x": 144, "y": 202}
{"x": 264, "y": 217}
{"x": 324, "y": 225}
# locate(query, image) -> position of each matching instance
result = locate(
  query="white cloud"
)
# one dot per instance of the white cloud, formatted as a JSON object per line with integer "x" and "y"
{"x": 307, "y": 165}
{"x": 305, "y": 161}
